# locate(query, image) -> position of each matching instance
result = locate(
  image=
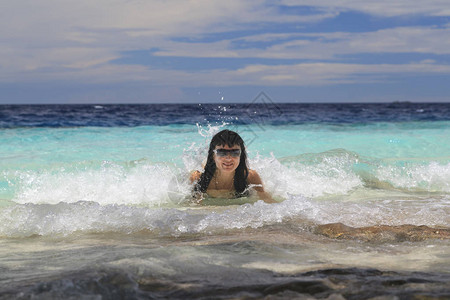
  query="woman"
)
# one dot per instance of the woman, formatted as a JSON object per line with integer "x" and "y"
{"x": 226, "y": 173}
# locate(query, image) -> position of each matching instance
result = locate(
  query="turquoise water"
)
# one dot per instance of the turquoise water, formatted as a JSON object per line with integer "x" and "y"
{"x": 118, "y": 199}
{"x": 149, "y": 165}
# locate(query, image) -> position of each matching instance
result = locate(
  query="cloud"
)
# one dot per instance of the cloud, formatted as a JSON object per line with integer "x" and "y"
{"x": 303, "y": 74}
{"x": 31, "y": 29}
{"x": 385, "y": 8}
{"x": 316, "y": 74}
{"x": 323, "y": 45}
{"x": 64, "y": 41}
{"x": 50, "y": 35}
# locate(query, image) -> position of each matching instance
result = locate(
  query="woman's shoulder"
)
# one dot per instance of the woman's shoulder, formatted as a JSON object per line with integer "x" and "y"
{"x": 252, "y": 172}
{"x": 253, "y": 177}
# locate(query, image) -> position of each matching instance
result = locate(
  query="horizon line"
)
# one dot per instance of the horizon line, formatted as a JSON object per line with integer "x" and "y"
{"x": 225, "y": 103}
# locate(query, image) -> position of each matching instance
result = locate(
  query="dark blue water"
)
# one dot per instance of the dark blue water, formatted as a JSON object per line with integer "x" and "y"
{"x": 169, "y": 114}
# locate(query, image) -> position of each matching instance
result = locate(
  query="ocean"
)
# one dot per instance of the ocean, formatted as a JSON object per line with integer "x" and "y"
{"x": 95, "y": 202}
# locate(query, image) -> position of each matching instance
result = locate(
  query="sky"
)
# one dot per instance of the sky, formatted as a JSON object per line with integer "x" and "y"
{"x": 205, "y": 51}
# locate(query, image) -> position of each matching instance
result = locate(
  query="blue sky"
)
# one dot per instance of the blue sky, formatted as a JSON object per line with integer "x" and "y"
{"x": 122, "y": 51}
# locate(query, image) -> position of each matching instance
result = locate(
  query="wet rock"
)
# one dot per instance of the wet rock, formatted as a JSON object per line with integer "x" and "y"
{"x": 329, "y": 284}
{"x": 383, "y": 233}
{"x": 311, "y": 287}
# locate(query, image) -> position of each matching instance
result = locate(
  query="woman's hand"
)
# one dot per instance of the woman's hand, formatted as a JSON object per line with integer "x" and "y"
{"x": 195, "y": 176}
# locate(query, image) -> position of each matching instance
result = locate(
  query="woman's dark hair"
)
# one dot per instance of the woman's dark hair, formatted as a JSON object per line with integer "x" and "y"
{"x": 222, "y": 138}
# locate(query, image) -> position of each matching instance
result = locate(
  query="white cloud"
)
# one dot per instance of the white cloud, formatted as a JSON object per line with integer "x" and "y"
{"x": 405, "y": 39}
{"x": 49, "y": 34}
{"x": 386, "y": 8}
{"x": 430, "y": 40}
{"x": 306, "y": 74}
{"x": 49, "y": 40}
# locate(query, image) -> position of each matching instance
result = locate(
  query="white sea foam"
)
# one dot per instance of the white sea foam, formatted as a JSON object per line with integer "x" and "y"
{"x": 431, "y": 177}
{"x": 332, "y": 175}
{"x": 155, "y": 185}
{"x": 91, "y": 217}
{"x": 145, "y": 184}
{"x": 145, "y": 196}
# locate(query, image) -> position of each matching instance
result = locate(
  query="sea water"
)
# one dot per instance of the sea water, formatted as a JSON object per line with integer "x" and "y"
{"x": 95, "y": 201}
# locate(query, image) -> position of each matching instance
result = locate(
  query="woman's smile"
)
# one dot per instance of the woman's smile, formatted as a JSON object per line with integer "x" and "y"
{"x": 228, "y": 165}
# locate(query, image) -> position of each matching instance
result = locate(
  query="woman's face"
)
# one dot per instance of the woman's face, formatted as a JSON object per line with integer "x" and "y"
{"x": 227, "y": 158}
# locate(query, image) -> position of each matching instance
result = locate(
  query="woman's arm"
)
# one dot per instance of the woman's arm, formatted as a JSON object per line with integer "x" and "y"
{"x": 254, "y": 179}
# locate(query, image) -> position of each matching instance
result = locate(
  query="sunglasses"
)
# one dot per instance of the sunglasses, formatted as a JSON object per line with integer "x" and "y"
{"x": 226, "y": 152}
